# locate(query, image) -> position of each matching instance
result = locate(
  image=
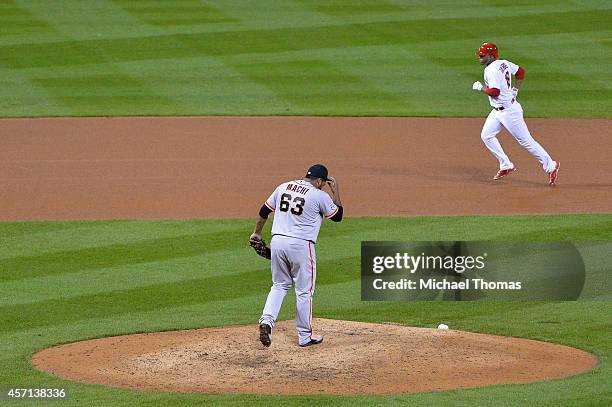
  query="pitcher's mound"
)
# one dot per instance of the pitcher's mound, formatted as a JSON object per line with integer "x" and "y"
{"x": 355, "y": 358}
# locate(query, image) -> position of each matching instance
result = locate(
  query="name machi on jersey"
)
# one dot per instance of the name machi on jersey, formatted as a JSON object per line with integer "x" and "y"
{"x": 498, "y": 74}
{"x": 299, "y": 208}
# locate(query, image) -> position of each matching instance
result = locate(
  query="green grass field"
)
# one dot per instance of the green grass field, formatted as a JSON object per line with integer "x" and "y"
{"x": 68, "y": 281}
{"x": 301, "y": 57}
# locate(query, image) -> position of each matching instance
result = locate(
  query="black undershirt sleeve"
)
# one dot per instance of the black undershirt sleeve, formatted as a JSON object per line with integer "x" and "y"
{"x": 338, "y": 215}
{"x": 264, "y": 212}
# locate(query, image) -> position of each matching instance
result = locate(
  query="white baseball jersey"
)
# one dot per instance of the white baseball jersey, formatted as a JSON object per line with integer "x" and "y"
{"x": 498, "y": 74}
{"x": 299, "y": 208}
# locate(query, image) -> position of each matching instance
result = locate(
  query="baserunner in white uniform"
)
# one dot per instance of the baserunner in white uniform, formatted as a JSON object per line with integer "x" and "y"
{"x": 507, "y": 112}
{"x": 299, "y": 207}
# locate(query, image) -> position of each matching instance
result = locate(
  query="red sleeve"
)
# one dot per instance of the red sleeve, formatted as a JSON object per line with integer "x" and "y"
{"x": 492, "y": 92}
{"x": 520, "y": 74}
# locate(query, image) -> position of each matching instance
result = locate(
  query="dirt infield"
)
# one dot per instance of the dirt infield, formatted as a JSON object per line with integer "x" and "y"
{"x": 355, "y": 358}
{"x": 148, "y": 168}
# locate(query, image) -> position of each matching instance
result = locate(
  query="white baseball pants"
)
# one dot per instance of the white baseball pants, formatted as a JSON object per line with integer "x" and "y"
{"x": 293, "y": 261}
{"x": 512, "y": 119}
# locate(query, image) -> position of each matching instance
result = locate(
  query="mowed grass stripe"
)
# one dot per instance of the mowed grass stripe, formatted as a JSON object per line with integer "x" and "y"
{"x": 147, "y": 298}
{"x": 175, "y": 13}
{"x": 279, "y": 40}
{"x": 320, "y": 81}
{"x": 234, "y": 311}
{"x": 31, "y": 242}
{"x": 16, "y": 20}
{"x": 194, "y": 254}
{"x": 19, "y": 95}
{"x": 344, "y": 8}
{"x": 220, "y": 86}
{"x": 105, "y": 280}
{"x": 27, "y": 239}
{"x": 392, "y": 80}
{"x": 91, "y": 281}
{"x": 145, "y": 251}
{"x": 85, "y": 19}
{"x": 115, "y": 58}
{"x": 122, "y": 91}
{"x": 540, "y": 227}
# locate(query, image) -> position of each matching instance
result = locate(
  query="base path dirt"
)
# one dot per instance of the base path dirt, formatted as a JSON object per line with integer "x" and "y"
{"x": 212, "y": 167}
{"x": 354, "y": 358}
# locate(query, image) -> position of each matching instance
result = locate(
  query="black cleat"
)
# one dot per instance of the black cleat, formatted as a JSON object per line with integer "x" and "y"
{"x": 265, "y": 334}
{"x": 315, "y": 340}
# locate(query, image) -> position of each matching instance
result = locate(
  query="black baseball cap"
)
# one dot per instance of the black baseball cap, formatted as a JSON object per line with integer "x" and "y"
{"x": 317, "y": 171}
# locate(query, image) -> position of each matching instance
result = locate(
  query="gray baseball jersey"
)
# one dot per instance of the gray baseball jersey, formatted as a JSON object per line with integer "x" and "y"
{"x": 299, "y": 209}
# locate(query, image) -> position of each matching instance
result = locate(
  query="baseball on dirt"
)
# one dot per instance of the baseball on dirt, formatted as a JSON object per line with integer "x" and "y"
{"x": 444, "y": 327}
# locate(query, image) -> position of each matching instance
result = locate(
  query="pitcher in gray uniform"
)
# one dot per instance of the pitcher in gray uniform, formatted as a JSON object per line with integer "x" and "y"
{"x": 299, "y": 207}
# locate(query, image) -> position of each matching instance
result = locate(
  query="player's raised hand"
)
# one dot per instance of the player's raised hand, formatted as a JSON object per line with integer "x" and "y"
{"x": 333, "y": 184}
{"x": 477, "y": 86}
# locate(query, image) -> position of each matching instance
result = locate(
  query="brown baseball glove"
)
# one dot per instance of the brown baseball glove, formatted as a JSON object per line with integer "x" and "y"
{"x": 261, "y": 248}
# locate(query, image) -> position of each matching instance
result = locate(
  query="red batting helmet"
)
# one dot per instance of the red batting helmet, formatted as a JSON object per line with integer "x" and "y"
{"x": 487, "y": 48}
